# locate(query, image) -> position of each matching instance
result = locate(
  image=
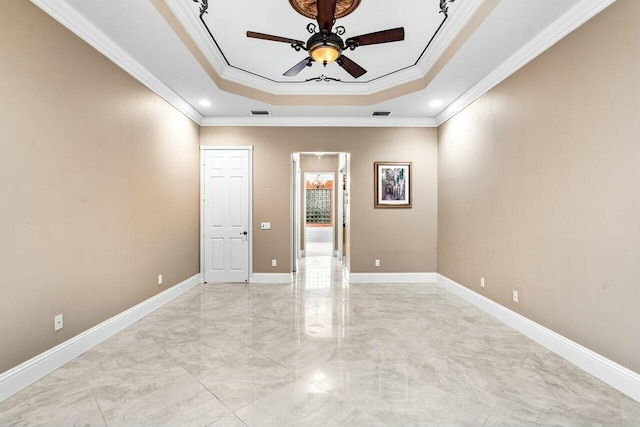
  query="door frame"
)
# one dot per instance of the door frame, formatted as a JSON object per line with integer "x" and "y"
{"x": 249, "y": 149}
{"x": 342, "y": 168}
{"x": 295, "y": 210}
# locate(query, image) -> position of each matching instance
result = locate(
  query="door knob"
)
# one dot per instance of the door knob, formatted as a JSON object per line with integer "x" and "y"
{"x": 244, "y": 233}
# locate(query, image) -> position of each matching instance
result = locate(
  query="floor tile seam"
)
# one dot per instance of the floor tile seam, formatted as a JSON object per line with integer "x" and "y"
{"x": 184, "y": 367}
{"x": 487, "y": 419}
{"x": 232, "y": 413}
{"x": 268, "y": 357}
{"x": 212, "y": 395}
{"x": 280, "y": 388}
{"x": 200, "y": 382}
{"x": 210, "y": 323}
{"x": 235, "y": 412}
{"x": 95, "y": 399}
{"x": 249, "y": 348}
{"x": 86, "y": 378}
{"x": 501, "y": 396}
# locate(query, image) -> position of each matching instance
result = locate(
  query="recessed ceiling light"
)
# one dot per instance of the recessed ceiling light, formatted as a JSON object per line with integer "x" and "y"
{"x": 205, "y": 103}
{"x": 435, "y": 103}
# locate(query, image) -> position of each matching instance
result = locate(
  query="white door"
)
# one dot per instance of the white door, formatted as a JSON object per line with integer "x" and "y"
{"x": 226, "y": 216}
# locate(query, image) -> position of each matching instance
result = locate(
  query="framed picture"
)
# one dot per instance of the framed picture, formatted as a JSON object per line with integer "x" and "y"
{"x": 392, "y": 184}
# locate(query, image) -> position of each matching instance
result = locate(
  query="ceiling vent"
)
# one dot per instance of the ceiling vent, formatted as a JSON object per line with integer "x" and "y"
{"x": 259, "y": 113}
{"x": 381, "y": 113}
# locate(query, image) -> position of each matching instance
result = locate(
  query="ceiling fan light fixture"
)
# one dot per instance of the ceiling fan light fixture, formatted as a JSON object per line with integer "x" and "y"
{"x": 325, "y": 54}
{"x": 325, "y": 48}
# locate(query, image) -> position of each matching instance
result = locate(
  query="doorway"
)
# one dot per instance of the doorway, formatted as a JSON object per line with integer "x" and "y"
{"x": 319, "y": 205}
{"x": 320, "y": 224}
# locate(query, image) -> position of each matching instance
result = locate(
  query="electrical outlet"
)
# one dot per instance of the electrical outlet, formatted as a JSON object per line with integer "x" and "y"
{"x": 377, "y": 263}
{"x": 482, "y": 282}
{"x": 274, "y": 263}
{"x": 516, "y": 296}
{"x": 159, "y": 279}
{"x": 57, "y": 322}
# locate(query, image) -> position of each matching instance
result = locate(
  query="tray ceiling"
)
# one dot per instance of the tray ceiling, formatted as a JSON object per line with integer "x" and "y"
{"x": 206, "y": 66}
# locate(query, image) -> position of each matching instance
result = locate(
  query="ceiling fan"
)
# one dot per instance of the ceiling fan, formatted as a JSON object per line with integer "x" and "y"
{"x": 325, "y": 45}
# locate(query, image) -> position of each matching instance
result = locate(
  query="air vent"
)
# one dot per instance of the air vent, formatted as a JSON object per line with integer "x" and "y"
{"x": 381, "y": 113}
{"x": 259, "y": 113}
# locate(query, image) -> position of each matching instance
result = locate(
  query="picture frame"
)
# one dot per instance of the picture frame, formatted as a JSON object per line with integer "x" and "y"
{"x": 392, "y": 186}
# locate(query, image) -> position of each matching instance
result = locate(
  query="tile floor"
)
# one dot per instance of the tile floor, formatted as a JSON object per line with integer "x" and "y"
{"x": 319, "y": 353}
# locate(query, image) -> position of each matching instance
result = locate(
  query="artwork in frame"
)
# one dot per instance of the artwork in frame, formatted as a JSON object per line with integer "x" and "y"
{"x": 392, "y": 184}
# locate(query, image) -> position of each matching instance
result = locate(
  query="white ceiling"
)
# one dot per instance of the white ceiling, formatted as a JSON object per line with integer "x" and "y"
{"x": 141, "y": 37}
{"x": 229, "y": 23}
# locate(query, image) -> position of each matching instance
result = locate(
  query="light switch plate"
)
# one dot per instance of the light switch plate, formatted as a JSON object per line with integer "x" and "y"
{"x": 265, "y": 226}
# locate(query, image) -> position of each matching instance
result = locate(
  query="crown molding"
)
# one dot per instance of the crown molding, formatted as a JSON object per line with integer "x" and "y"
{"x": 569, "y": 21}
{"x": 75, "y": 22}
{"x": 423, "y": 122}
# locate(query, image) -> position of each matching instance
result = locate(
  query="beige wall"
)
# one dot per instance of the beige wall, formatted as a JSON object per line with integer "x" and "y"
{"x": 329, "y": 164}
{"x": 539, "y": 188}
{"x": 99, "y": 184}
{"x": 403, "y": 239}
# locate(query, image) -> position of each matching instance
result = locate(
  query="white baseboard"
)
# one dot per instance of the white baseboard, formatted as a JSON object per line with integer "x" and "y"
{"x": 271, "y": 278}
{"x": 335, "y": 253}
{"x": 617, "y": 376}
{"x": 25, "y": 374}
{"x": 392, "y": 277}
{"x": 302, "y": 253}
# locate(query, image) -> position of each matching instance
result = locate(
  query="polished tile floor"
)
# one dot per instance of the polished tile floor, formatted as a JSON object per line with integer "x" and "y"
{"x": 319, "y": 353}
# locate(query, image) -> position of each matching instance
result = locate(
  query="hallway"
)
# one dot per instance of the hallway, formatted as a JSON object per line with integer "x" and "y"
{"x": 319, "y": 353}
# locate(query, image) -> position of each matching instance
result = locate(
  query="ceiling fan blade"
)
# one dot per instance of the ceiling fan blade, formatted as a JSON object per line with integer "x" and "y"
{"x": 261, "y": 36}
{"x": 385, "y": 36}
{"x": 350, "y": 67}
{"x": 298, "y": 67}
{"x": 326, "y": 14}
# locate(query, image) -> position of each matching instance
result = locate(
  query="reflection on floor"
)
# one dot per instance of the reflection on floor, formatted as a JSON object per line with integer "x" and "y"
{"x": 319, "y": 353}
{"x": 319, "y": 249}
